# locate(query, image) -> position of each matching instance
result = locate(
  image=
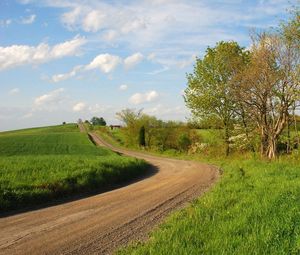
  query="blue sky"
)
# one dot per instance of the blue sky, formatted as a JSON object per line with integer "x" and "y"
{"x": 61, "y": 60}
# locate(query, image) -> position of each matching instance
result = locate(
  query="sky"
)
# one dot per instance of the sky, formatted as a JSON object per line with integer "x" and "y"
{"x": 61, "y": 60}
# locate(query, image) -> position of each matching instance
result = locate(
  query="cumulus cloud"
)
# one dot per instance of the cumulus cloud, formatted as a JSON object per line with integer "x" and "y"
{"x": 14, "y": 91}
{"x": 140, "y": 98}
{"x": 147, "y": 25}
{"x": 133, "y": 60}
{"x": 17, "y": 55}
{"x": 65, "y": 76}
{"x": 94, "y": 21}
{"x": 52, "y": 97}
{"x": 79, "y": 107}
{"x": 123, "y": 87}
{"x": 105, "y": 62}
{"x": 28, "y": 20}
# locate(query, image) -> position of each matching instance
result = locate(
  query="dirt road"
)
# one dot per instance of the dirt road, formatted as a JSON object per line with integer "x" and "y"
{"x": 99, "y": 224}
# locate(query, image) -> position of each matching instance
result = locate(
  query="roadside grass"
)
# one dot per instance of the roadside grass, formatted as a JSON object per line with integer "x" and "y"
{"x": 42, "y": 164}
{"x": 253, "y": 209}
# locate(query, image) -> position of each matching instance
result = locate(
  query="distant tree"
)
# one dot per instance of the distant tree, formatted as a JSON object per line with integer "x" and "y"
{"x": 86, "y": 121}
{"x": 98, "y": 121}
{"x": 132, "y": 120}
{"x": 209, "y": 94}
{"x": 64, "y": 123}
{"x": 142, "y": 141}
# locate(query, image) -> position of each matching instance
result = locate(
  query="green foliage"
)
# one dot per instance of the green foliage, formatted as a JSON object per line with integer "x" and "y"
{"x": 41, "y": 164}
{"x": 183, "y": 142}
{"x": 254, "y": 209}
{"x": 98, "y": 121}
{"x": 209, "y": 94}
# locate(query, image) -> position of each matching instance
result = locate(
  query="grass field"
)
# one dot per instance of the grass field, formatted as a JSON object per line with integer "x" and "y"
{"x": 37, "y": 165}
{"x": 253, "y": 209}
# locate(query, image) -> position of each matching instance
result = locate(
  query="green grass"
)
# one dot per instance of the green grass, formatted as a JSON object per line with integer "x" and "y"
{"x": 41, "y": 164}
{"x": 253, "y": 209}
{"x": 48, "y": 143}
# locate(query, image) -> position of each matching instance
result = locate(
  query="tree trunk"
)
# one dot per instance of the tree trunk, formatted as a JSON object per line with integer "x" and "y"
{"x": 272, "y": 148}
{"x": 288, "y": 144}
{"x": 227, "y": 140}
{"x": 247, "y": 134}
{"x": 263, "y": 143}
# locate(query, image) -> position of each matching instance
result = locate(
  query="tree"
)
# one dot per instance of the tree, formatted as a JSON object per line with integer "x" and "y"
{"x": 209, "y": 94}
{"x": 269, "y": 86}
{"x": 142, "y": 141}
{"x": 98, "y": 121}
{"x": 131, "y": 119}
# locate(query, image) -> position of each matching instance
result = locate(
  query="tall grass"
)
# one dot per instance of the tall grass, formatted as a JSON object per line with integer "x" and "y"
{"x": 38, "y": 165}
{"x": 254, "y": 209}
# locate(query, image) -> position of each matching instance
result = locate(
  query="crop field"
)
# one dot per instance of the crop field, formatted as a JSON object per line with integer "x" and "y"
{"x": 37, "y": 165}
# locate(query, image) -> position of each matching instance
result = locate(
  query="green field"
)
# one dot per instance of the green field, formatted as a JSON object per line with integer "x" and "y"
{"x": 38, "y": 165}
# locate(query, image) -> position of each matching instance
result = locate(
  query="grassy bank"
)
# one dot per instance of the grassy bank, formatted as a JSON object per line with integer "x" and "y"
{"x": 253, "y": 209}
{"x": 38, "y": 165}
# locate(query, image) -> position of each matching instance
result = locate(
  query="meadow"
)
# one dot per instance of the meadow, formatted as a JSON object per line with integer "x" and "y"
{"x": 41, "y": 164}
{"x": 253, "y": 209}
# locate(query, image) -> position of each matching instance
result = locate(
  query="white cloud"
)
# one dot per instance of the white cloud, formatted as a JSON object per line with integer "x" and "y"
{"x": 94, "y": 21}
{"x": 110, "y": 35}
{"x": 5, "y": 22}
{"x": 133, "y": 60}
{"x": 105, "y": 62}
{"x": 65, "y": 76}
{"x": 140, "y": 98}
{"x": 123, "y": 87}
{"x": 158, "y": 71}
{"x": 16, "y": 55}
{"x": 52, "y": 97}
{"x": 14, "y": 91}
{"x": 79, "y": 107}
{"x": 28, "y": 20}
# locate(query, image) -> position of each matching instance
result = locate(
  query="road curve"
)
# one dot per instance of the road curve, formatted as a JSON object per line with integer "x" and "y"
{"x": 99, "y": 224}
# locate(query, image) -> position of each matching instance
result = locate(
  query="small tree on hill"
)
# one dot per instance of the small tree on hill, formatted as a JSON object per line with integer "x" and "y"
{"x": 98, "y": 121}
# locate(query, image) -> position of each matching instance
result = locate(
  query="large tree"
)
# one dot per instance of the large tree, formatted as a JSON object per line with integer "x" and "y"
{"x": 269, "y": 88}
{"x": 209, "y": 93}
